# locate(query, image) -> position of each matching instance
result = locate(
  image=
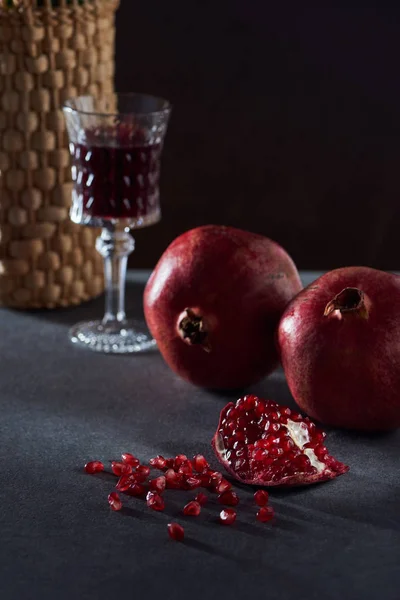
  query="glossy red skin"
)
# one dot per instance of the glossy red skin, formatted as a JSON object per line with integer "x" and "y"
{"x": 345, "y": 371}
{"x": 240, "y": 283}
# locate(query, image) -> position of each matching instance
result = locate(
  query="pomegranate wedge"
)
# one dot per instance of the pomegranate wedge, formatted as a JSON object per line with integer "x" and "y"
{"x": 262, "y": 443}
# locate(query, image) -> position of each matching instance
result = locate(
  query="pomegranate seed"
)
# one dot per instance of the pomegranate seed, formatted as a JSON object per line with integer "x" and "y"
{"x": 320, "y": 452}
{"x": 302, "y": 462}
{"x": 259, "y": 454}
{"x": 173, "y": 479}
{"x": 199, "y": 463}
{"x": 158, "y": 484}
{"x": 158, "y": 462}
{"x": 114, "y": 501}
{"x": 143, "y": 470}
{"x": 129, "y": 459}
{"x": 230, "y": 498}
{"x": 179, "y": 460}
{"x": 224, "y": 486}
{"x": 201, "y": 498}
{"x": 119, "y": 468}
{"x": 192, "y": 483}
{"x": 186, "y": 468}
{"x": 136, "y": 489}
{"x": 139, "y": 477}
{"x": 94, "y": 466}
{"x": 206, "y": 479}
{"x": 215, "y": 478}
{"x": 192, "y": 509}
{"x": 176, "y": 531}
{"x": 261, "y": 497}
{"x": 125, "y": 482}
{"x": 155, "y": 501}
{"x": 227, "y": 516}
{"x": 265, "y": 514}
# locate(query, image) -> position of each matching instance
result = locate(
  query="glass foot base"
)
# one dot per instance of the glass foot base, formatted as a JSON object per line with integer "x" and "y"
{"x": 114, "y": 338}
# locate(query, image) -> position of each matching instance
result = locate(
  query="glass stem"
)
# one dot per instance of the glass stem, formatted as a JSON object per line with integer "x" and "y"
{"x": 115, "y": 247}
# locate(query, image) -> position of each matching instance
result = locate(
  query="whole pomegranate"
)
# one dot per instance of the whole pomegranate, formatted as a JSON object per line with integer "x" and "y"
{"x": 340, "y": 349}
{"x": 213, "y": 304}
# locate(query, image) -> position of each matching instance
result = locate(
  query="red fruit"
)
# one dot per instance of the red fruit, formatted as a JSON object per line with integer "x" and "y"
{"x": 282, "y": 463}
{"x": 199, "y": 463}
{"x": 192, "y": 509}
{"x": 136, "y": 489}
{"x": 261, "y": 497}
{"x": 339, "y": 345}
{"x": 176, "y": 531}
{"x": 114, "y": 501}
{"x": 94, "y": 466}
{"x": 155, "y": 501}
{"x": 192, "y": 483}
{"x": 159, "y": 462}
{"x": 174, "y": 480}
{"x": 201, "y": 498}
{"x": 224, "y": 486}
{"x": 125, "y": 482}
{"x": 216, "y": 290}
{"x": 186, "y": 468}
{"x": 227, "y": 516}
{"x": 230, "y": 498}
{"x": 180, "y": 459}
{"x": 265, "y": 514}
{"x": 158, "y": 484}
{"x": 143, "y": 470}
{"x": 119, "y": 468}
{"x": 129, "y": 459}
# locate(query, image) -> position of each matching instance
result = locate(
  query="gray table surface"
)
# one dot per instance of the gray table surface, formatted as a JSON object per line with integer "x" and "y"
{"x": 62, "y": 406}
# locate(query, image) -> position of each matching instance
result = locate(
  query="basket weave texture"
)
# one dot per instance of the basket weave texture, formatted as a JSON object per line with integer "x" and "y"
{"x": 47, "y": 55}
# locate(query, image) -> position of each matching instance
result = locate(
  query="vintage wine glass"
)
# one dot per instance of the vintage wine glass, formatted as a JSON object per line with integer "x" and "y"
{"x": 116, "y": 143}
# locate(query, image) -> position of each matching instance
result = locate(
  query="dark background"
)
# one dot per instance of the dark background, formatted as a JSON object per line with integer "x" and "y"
{"x": 286, "y": 122}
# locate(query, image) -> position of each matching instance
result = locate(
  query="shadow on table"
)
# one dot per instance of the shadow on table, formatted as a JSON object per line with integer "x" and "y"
{"x": 94, "y": 309}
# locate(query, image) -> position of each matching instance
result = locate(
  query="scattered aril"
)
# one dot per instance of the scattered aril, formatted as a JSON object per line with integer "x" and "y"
{"x": 125, "y": 482}
{"x": 143, "y": 470}
{"x": 158, "y": 484}
{"x": 180, "y": 459}
{"x": 199, "y": 463}
{"x": 155, "y": 501}
{"x": 173, "y": 479}
{"x": 137, "y": 489}
{"x": 114, "y": 501}
{"x": 120, "y": 468}
{"x": 229, "y": 498}
{"x": 94, "y": 466}
{"x": 265, "y": 514}
{"x": 261, "y": 497}
{"x": 129, "y": 459}
{"x": 159, "y": 462}
{"x": 201, "y": 498}
{"x": 192, "y": 483}
{"x": 192, "y": 509}
{"x": 224, "y": 486}
{"x": 227, "y": 516}
{"x": 176, "y": 531}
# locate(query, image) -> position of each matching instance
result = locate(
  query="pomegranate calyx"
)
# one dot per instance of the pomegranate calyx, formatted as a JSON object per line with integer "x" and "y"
{"x": 192, "y": 330}
{"x": 349, "y": 300}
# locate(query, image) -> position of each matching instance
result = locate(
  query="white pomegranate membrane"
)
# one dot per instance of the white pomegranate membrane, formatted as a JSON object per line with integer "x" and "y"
{"x": 262, "y": 443}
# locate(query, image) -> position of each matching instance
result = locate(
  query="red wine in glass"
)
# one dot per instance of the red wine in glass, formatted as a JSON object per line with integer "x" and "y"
{"x": 116, "y": 182}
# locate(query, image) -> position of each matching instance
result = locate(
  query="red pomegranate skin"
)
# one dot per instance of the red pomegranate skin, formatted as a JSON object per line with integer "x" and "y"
{"x": 343, "y": 368}
{"x": 239, "y": 284}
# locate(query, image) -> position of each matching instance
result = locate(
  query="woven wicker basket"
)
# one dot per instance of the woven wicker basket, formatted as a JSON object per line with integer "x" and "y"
{"x": 47, "y": 54}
